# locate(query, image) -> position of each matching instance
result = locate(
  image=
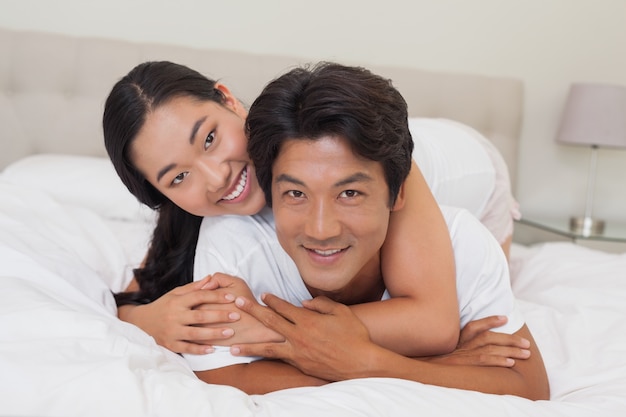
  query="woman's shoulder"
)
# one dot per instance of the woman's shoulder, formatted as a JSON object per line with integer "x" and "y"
{"x": 235, "y": 230}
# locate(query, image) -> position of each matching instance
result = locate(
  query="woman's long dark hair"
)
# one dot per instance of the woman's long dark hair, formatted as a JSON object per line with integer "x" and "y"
{"x": 169, "y": 262}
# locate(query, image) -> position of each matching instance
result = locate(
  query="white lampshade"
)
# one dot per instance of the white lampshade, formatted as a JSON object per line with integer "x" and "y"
{"x": 594, "y": 115}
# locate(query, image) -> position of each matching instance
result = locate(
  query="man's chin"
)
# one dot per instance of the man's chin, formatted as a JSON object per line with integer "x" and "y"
{"x": 326, "y": 287}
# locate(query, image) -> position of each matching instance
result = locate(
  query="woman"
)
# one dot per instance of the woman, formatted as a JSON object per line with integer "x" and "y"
{"x": 177, "y": 141}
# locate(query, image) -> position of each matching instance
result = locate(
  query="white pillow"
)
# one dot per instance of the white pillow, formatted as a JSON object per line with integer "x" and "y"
{"x": 84, "y": 181}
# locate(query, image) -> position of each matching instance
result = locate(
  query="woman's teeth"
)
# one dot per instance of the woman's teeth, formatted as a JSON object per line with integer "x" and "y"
{"x": 237, "y": 191}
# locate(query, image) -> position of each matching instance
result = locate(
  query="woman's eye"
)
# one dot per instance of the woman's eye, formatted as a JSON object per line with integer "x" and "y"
{"x": 349, "y": 194}
{"x": 209, "y": 140}
{"x": 179, "y": 178}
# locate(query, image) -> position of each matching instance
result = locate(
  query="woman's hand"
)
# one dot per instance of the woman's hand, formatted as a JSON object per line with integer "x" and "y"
{"x": 174, "y": 321}
{"x": 247, "y": 329}
{"x": 479, "y": 346}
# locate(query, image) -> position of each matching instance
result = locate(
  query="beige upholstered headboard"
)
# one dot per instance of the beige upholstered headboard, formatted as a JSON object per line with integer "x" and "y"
{"x": 52, "y": 90}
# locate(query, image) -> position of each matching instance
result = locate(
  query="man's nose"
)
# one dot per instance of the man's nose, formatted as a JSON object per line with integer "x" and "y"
{"x": 322, "y": 222}
{"x": 214, "y": 173}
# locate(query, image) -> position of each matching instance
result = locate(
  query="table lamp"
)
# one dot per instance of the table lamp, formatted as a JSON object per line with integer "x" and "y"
{"x": 594, "y": 115}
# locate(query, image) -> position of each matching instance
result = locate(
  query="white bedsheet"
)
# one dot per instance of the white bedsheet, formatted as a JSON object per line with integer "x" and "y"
{"x": 63, "y": 352}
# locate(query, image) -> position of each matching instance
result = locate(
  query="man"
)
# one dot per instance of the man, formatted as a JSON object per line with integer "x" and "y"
{"x": 333, "y": 180}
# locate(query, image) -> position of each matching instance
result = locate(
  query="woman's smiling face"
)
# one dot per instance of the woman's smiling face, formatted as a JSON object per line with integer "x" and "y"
{"x": 195, "y": 153}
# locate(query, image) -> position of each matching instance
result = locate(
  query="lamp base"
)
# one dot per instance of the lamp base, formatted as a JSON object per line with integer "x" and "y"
{"x": 586, "y": 226}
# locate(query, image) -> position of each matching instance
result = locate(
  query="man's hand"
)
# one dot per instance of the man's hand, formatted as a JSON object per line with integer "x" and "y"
{"x": 324, "y": 339}
{"x": 481, "y": 347}
{"x": 173, "y": 320}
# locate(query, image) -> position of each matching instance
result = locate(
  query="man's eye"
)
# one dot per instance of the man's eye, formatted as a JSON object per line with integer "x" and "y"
{"x": 295, "y": 194}
{"x": 349, "y": 194}
{"x": 209, "y": 140}
{"x": 179, "y": 178}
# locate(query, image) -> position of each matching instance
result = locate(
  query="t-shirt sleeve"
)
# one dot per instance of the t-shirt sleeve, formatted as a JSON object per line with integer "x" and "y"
{"x": 483, "y": 280}
{"x": 209, "y": 260}
{"x": 243, "y": 247}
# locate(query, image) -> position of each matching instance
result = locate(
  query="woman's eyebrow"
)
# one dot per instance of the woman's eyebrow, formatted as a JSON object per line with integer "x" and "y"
{"x": 164, "y": 171}
{"x": 194, "y": 130}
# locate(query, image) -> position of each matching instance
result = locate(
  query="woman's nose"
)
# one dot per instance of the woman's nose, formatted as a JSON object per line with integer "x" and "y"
{"x": 215, "y": 174}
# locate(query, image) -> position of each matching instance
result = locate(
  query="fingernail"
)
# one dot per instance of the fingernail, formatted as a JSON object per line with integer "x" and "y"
{"x": 526, "y": 343}
{"x": 239, "y": 302}
{"x": 234, "y": 316}
{"x": 235, "y": 350}
{"x": 526, "y": 353}
{"x": 228, "y": 332}
{"x": 209, "y": 350}
{"x": 229, "y": 297}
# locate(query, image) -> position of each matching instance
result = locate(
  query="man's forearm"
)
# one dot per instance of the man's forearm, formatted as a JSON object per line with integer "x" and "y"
{"x": 526, "y": 379}
{"x": 260, "y": 377}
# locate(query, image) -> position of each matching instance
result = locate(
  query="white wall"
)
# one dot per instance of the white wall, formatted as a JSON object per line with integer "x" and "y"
{"x": 547, "y": 43}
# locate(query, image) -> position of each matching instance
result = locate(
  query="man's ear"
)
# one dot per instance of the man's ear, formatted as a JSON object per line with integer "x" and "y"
{"x": 400, "y": 200}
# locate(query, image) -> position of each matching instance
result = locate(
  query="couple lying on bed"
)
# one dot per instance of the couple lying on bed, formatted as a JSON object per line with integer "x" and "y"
{"x": 353, "y": 225}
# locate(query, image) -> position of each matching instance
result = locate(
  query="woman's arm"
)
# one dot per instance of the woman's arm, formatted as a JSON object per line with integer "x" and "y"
{"x": 422, "y": 316}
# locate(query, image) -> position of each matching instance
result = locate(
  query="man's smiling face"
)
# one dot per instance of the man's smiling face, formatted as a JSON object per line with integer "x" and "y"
{"x": 332, "y": 214}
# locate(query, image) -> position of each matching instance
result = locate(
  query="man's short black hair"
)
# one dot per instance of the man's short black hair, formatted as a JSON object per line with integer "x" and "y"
{"x": 330, "y": 99}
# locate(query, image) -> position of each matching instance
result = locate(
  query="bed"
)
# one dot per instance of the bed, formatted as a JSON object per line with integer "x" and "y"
{"x": 70, "y": 233}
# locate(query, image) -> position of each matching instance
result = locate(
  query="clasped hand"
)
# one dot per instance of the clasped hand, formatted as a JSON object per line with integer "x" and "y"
{"x": 194, "y": 317}
{"x": 323, "y": 338}
{"x": 326, "y": 340}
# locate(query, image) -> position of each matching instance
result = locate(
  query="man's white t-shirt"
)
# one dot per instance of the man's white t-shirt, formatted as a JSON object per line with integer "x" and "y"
{"x": 247, "y": 247}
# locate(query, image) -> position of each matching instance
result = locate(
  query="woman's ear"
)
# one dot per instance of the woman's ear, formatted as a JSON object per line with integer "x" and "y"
{"x": 230, "y": 101}
{"x": 400, "y": 199}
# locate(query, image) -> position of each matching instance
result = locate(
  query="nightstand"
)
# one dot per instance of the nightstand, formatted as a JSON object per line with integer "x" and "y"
{"x": 531, "y": 230}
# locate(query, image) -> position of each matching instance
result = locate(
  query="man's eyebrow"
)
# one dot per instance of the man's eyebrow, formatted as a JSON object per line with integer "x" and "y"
{"x": 164, "y": 171}
{"x": 358, "y": 177}
{"x": 288, "y": 178}
{"x": 194, "y": 130}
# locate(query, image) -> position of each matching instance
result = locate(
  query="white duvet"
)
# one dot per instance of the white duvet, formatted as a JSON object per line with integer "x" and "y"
{"x": 63, "y": 352}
